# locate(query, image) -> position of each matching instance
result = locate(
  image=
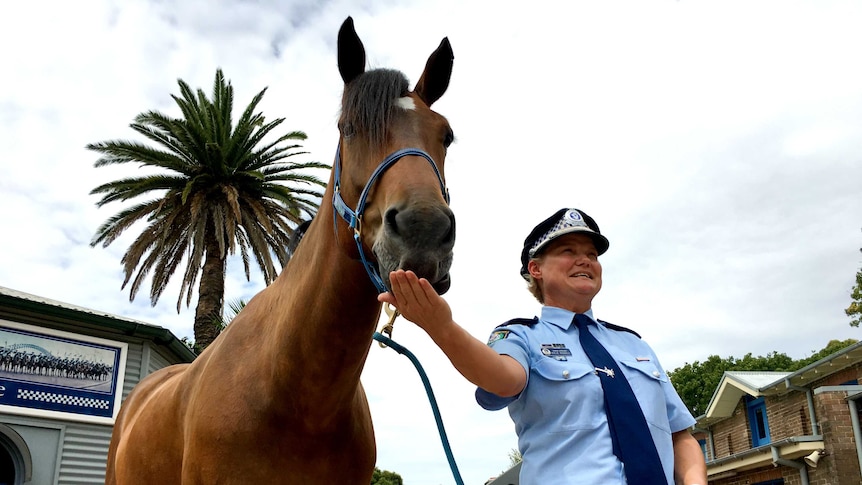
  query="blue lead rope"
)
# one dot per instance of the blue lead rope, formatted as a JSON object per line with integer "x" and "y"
{"x": 401, "y": 350}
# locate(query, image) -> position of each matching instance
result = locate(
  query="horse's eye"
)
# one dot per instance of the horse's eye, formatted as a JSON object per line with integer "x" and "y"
{"x": 448, "y": 139}
{"x": 346, "y": 129}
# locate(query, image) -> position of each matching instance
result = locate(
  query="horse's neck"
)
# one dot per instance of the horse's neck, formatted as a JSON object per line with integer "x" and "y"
{"x": 322, "y": 312}
{"x": 332, "y": 296}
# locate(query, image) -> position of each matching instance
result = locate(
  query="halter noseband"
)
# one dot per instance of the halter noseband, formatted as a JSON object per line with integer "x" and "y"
{"x": 354, "y": 218}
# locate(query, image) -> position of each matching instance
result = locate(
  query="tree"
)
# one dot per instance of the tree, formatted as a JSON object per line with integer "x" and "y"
{"x": 832, "y": 347}
{"x": 854, "y": 311}
{"x": 514, "y": 457}
{"x": 217, "y": 187}
{"x": 695, "y": 383}
{"x": 385, "y": 477}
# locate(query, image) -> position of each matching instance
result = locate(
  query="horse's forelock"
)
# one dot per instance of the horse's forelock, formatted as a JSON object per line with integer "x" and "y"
{"x": 369, "y": 100}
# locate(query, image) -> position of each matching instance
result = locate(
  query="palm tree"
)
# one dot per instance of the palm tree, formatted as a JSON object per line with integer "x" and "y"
{"x": 220, "y": 187}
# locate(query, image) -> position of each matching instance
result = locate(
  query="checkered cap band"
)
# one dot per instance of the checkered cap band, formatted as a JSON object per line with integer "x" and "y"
{"x": 571, "y": 221}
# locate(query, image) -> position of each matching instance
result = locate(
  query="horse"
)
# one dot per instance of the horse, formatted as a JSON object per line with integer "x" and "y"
{"x": 277, "y": 397}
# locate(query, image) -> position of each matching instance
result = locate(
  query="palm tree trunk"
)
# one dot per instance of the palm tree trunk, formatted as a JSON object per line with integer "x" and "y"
{"x": 210, "y": 296}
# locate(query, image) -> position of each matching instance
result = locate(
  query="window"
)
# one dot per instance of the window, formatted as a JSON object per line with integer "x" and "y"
{"x": 15, "y": 461}
{"x": 757, "y": 421}
{"x": 702, "y": 444}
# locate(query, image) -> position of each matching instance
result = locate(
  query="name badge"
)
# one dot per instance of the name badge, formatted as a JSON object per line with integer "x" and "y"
{"x": 556, "y": 351}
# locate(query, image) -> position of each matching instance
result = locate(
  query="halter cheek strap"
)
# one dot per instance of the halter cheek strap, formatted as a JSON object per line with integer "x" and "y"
{"x": 354, "y": 218}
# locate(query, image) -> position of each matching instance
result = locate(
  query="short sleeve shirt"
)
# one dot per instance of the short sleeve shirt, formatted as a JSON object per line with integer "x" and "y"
{"x": 560, "y": 418}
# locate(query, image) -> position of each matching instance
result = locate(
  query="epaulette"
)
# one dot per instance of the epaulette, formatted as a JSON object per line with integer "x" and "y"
{"x": 619, "y": 328}
{"x": 520, "y": 321}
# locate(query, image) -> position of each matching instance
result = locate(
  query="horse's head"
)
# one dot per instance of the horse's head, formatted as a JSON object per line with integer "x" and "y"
{"x": 402, "y": 215}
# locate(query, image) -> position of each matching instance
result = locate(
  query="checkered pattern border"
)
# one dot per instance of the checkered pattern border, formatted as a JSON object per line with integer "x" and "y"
{"x": 63, "y": 399}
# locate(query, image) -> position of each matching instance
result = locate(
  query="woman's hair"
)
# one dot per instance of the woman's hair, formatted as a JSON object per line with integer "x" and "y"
{"x": 533, "y": 284}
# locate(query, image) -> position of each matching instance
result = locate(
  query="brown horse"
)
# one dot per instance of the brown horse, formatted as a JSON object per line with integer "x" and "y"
{"x": 277, "y": 398}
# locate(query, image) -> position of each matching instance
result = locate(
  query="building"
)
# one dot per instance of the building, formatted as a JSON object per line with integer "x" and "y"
{"x": 63, "y": 372}
{"x": 777, "y": 428}
{"x": 781, "y": 428}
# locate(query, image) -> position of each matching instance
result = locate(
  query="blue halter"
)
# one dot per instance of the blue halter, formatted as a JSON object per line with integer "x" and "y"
{"x": 354, "y": 218}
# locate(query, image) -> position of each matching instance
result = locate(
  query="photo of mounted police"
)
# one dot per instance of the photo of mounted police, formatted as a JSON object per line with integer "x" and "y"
{"x": 53, "y": 361}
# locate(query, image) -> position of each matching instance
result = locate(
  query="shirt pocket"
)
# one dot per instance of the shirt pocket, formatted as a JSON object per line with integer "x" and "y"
{"x": 568, "y": 395}
{"x": 647, "y": 382}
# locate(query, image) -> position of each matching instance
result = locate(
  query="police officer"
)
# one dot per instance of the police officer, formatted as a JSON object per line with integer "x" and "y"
{"x": 540, "y": 369}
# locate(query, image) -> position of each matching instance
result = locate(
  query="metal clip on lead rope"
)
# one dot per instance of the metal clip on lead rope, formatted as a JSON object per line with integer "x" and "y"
{"x": 390, "y": 325}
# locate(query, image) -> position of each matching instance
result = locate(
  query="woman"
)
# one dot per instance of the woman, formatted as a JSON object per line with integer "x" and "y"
{"x": 590, "y": 402}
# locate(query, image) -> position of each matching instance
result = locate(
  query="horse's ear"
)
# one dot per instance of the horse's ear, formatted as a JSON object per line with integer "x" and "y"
{"x": 351, "y": 53}
{"x": 438, "y": 70}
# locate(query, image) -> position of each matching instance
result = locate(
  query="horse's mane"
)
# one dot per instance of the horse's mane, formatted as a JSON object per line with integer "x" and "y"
{"x": 368, "y": 102}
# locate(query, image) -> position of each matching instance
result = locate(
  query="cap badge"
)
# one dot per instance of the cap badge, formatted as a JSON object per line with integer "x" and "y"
{"x": 574, "y": 218}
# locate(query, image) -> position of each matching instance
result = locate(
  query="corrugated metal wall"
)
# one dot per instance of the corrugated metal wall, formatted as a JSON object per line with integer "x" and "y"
{"x": 133, "y": 368}
{"x": 85, "y": 452}
{"x": 157, "y": 361}
{"x": 85, "y": 446}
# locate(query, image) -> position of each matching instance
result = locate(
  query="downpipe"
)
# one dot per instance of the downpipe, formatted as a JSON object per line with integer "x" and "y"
{"x": 778, "y": 460}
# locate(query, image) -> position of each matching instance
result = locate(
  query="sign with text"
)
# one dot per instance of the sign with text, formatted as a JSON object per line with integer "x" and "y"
{"x": 56, "y": 374}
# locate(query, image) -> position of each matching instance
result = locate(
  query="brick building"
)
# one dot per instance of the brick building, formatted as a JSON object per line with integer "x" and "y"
{"x": 782, "y": 428}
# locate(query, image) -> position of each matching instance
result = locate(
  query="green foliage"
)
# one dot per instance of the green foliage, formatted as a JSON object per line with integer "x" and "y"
{"x": 854, "y": 311}
{"x": 232, "y": 310}
{"x": 514, "y": 457}
{"x": 697, "y": 382}
{"x": 832, "y": 347}
{"x": 385, "y": 477}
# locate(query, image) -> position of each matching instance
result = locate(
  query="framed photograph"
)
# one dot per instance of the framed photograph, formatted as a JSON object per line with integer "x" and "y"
{"x": 55, "y": 374}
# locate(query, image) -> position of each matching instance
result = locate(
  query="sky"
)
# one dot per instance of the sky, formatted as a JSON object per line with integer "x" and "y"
{"x": 718, "y": 144}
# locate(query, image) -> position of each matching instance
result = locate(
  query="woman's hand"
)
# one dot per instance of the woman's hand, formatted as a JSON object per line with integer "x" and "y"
{"x": 417, "y": 301}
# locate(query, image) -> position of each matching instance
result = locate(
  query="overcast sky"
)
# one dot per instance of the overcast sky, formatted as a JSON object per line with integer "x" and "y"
{"x": 718, "y": 144}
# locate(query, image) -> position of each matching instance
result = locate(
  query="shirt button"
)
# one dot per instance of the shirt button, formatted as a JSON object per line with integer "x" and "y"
{"x": 656, "y": 373}
{"x": 565, "y": 374}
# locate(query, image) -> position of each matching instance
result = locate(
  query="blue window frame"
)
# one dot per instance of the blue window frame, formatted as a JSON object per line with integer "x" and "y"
{"x": 757, "y": 421}
{"x": 702, "y": 444}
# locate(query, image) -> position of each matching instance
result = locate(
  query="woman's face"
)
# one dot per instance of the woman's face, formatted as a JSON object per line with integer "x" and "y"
{"x": 569, "y": 272}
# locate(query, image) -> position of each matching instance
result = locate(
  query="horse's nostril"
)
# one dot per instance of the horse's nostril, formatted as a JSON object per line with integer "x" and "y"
{"x": 450, "y": 236}
{"x": 391, "y": 219}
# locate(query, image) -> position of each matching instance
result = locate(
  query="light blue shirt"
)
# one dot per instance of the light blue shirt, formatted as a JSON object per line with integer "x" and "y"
{"x": 560, "y": 418}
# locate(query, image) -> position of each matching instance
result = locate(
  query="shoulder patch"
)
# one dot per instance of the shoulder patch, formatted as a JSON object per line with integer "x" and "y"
{"x": 497, "y": 335}
{"x": 521, "y": 321}
{"x": 501, "y": 333}
{"x": 620, "y": 329}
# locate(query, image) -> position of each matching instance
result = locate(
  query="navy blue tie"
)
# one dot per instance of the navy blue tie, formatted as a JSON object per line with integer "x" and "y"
{"x": 632, "y": 441}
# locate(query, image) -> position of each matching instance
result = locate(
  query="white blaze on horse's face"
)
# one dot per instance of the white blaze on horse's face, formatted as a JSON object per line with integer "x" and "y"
{"x": 406, "y": 103}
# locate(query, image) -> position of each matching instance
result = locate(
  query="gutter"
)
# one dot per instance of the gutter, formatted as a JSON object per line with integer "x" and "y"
{"x": 761, "y": 449}
{"x": 60, "y": 313}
